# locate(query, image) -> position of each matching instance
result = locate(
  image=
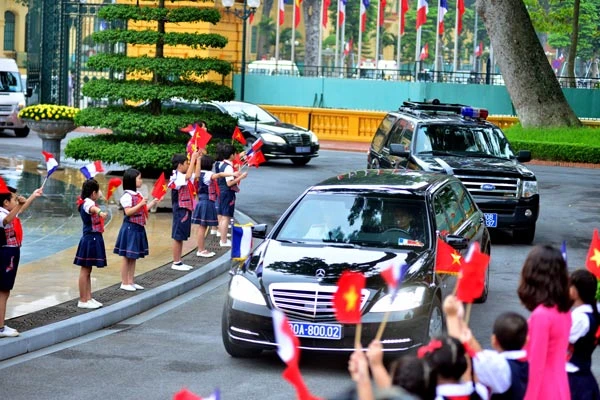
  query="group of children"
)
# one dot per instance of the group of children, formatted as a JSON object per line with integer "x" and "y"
{"x": 214, "y": 207}
{"x": 548, "y": 356}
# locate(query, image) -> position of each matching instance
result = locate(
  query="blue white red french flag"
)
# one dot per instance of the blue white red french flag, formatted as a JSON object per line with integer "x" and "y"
{"x": 241, "y": 241}
{"x": 185, "y": 394}
{"x": 91, "y": 170}
{"x": 394, "y": 275}
{"x": 51, "y": 163}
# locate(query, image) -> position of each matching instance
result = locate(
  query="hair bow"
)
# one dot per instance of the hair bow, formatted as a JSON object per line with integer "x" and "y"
{"x": 429, "y": 348}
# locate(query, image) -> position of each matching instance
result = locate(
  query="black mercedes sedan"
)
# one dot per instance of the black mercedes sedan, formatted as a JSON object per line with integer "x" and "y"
{"x": 360, "y": 221}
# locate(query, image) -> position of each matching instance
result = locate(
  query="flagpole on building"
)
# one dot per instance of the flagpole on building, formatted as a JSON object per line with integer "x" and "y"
{"x": 343, "y": 45}
{"x": 359, "y": 40}
{"x": 456, "y": 33}
{"x": 337, "y": 38}
{"x": 293, "y": 44}
{"x": 475, "y": 61}
{"x": 320, "y": 61}
{"x": 399, "y": 41}
{"x": 437, "y": 44}
{"x": 277, "y": 35}
{"x": 377, "y": 38}
{"x": 418, "y": 52}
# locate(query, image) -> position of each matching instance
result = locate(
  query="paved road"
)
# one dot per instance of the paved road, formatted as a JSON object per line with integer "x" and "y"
{"x": 179, "y": 344}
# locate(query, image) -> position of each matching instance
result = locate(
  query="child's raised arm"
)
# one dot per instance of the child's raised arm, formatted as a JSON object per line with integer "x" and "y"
{"x": 194, "y": 160}
{"x": 25, "y": 203}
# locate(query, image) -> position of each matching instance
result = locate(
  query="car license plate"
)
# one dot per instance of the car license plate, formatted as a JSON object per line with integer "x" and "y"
{"x": 491, "y": 220}
{"x": 304, "y": 149}
{"x": 317, "y": 331}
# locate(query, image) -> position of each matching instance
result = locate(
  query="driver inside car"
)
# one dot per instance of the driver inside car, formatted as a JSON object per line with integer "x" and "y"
{"x": 404, "y": 219}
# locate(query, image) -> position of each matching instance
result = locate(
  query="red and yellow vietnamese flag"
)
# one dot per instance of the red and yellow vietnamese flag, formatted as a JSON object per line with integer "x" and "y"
{"x": 113, "y": 184}
{"x": 471, "y": 278}
{"x": 160, "y": 187}
{"x": 239, "y": 136}
{"x": 592, "y": 261}
{"x": 298, "y": 12}
{"x": 447, "y": 259}
{"x": 347, "y": 298}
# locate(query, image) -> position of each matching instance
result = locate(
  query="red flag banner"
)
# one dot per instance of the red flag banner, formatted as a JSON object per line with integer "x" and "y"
{"x": 403, "y": 11}
{"x": 347, "y": 298}
{"x": 382, "y": 4}
{"x": 113, "y": 184}
{"x": 239, "y": 136}
{"x": 256, "y": 158}
{"x": 460, "y": 5}
{"x": 160, "y": 187}
{"x": 201, "y": 138}
{"x": 326, "y": 4}
{"x": 592, "y": 261}
{"x": 471, "y": 279}
{"x": 447, "y": 259}
{"x": 3, "y": 187}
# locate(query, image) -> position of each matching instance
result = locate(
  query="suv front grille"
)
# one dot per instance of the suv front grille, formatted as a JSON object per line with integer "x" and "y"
{"x": 298, "y": 139}
{"x": 5, "y": 110}
{"x": 307, "y": 300}
{"x": 491, "y": 186}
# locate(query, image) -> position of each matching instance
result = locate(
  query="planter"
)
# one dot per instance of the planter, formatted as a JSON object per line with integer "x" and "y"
{"x": 51, "y": 132}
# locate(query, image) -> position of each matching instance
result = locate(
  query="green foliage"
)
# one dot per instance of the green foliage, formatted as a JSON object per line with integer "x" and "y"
{"x": 168, "y": 66}
{"x": 138, "y": 122}
{"x": 181, "y": 14}
{"x": 557, "y": 144}
{"x": 139, "y": 90}
{"x": 193, "y": 40}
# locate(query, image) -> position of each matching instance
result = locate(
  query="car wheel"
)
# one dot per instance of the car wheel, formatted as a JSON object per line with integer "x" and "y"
{"x": 22, "y": 132}
{"x": 374, "y": 164}
{"x": 436, "y": 326}
{"x": 300, "y": 161}
{"x": 524, "y": 236}
{"x": 233, "y": 349}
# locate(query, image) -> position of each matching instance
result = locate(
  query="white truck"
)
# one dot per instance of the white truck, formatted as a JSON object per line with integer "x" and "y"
{"x": 12, "y": 97}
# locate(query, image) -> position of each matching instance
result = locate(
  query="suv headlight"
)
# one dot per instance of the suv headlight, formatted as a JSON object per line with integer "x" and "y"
{"x": 406, "y": 299}
{"x": 529, "y": 188}
{"x": 243, "y": 290}
{"x": 313, "y": 138}
{"x": 269, "y": 137}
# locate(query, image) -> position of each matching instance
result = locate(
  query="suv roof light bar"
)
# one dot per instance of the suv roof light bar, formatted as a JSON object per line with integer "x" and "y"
{"x": 434, "y": 105}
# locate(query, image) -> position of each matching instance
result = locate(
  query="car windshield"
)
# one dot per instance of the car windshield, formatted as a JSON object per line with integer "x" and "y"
{"x": 10, "y": 82}
{"x": 369, "y": 220}
{"x": 476, "y": 141}
{"x": 249, "y": 112}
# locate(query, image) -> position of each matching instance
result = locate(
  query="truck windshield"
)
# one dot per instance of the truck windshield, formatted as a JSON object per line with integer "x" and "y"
{"x": 476, "y": 141}
{"x": 10, "y": 82}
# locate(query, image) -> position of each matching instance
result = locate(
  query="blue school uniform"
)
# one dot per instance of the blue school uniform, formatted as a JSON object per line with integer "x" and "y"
{"x": 132, "y": 241}
{"x": 205, "y": 213}
{"x": 582, "y": 383}
{"x": 10, "y": 252}
{"x": 90, "y": 251}
{"x": 519, "y": 374}
{"x": 182, "y": 205}
{"x": 226, "y": 194}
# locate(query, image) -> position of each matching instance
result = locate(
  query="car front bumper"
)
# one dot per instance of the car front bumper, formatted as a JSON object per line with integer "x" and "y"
{"x": 274, "y": 150}
{"x": 515, "y": 214}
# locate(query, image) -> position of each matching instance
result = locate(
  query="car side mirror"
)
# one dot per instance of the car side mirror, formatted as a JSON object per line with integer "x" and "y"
{"x": 458, "y": 242}
{"x": 397, "y": 149}
{"x": 29, "y": 92}
{"x": 524, "y": 156}
{"x": 259, "y": 231}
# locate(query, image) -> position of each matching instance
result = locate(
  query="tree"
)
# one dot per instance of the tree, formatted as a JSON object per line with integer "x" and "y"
{"x": 530, "y": 81}
{"x": 152, "y": 125}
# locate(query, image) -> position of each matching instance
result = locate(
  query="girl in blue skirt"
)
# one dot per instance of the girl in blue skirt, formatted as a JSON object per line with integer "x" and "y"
{"x": 91, "y": 251}
{"x": 132, "y": 242}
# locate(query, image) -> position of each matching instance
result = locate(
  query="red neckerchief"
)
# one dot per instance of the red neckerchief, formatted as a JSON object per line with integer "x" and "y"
{"x": 18, "y": 228}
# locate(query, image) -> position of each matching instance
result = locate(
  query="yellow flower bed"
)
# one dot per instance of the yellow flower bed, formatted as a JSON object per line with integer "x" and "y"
{"x": 48, "y": 112}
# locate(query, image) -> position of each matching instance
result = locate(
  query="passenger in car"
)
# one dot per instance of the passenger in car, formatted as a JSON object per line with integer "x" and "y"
{"x": 407, "y": 220}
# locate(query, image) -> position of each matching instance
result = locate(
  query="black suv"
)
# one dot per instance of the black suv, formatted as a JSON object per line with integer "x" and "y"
{"x": 357, "y": 222}
{"x": 457, "y": 140}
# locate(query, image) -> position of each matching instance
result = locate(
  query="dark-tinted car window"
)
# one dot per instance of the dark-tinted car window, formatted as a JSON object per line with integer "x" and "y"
{"x": 448, "y": 203}
{"x": 465, "y": 200}
{"x": 384, "y": 128}
{"x": 468, "y": 140}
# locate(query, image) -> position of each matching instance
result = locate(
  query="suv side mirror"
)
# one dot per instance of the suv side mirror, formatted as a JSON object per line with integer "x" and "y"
{"x": 458, "y": 242}
{"x": 259, "y": 231}
{"x": 524, "y": 156}
{"x": 397, "y": 149}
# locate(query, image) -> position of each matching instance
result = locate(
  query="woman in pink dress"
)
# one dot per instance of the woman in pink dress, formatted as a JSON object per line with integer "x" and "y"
{"x": 544, "y": 290}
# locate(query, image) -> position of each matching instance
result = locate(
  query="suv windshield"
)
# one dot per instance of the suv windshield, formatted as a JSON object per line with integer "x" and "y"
{"x": 476, "y": 141}
{"x": 249, "y": 112}
{"x": 10, "y": 82}
{"x": 370, "y": 220}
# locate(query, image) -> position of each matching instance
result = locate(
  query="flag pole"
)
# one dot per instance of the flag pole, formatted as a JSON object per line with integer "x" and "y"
{"x": 456, "y": 33}
{"x": 277, "y": 36}
{"x": 359, "y": 40}
{"x": 357, "y": 344}
{"x": 417, "y": 52}
{"x": 44, "y": 182}
{"x": 293, "y": 44}
{"x": 377, "y": 35}
{"x": 468, "y": 313}
{"x": 475, "y": 61}
{"x": 437, "y": 44}
{"x": 337, "y": 38}
{"x": 399, "y": 41}
{"x": 343, "y": 45}
{"x": 320, "y": 54}
{"x": 382, "y": 326}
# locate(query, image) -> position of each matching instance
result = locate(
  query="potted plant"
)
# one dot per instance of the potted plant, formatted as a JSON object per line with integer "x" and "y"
{"x": 51, "y": 122}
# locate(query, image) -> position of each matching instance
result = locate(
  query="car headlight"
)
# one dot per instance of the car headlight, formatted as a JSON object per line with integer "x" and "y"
{"x": 269, "y": 137}
{"x": 529, "y": 188}
{"x": 243, "y": 290}
{"x": 406, "y": 299}
{"x": 313, "y": 138}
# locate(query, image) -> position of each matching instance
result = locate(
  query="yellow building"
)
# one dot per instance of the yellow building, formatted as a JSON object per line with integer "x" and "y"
{"x": 13, "y": 29}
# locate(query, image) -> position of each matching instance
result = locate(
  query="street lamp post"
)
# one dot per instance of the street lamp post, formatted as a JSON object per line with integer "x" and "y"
{"x": 250, "y": 7}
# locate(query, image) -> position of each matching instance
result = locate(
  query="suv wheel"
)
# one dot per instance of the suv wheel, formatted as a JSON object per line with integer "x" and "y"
{"x": 524, "y": 236}
{"x": 300, "y": 161}
{"x": 436, "y": 326}
{"x": 21, "y": 132}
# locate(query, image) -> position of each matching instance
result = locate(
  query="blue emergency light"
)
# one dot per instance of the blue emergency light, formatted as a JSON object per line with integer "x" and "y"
{"x": 471, "y": 112}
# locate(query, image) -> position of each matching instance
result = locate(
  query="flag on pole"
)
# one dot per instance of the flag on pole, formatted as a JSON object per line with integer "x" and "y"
{"x": 442, "y": 10}
{"x": 185, "y": 394}
{"x": 281, "y": 15}
{"x": 447, "y": 259}
{"x": 3, "y": 187}
{"x": 341, "y": 12}
{"x": 394, "y": 275}
{"x": 347, "y": 298}
{"x": 238, "y": 135}
{"x": 403, "y": 11}
{"x": 479, "y": 51}
{"x": 113, "y": 184}
{"x": 382, "y": 4}
{"x": 51, "y": 163}
{"x": 364, "y": 5}
{"x": 424, "y": 52}
{"x": 251, "y": 18}
{"x": 297, "y": 4}
{"x": 348, "y": 47}
{"x": 471, "y": 279}
{"x": 241, "y": 241}
{"x": 422, "y": 10}
{"x": 160, "y": 187}
{"x": 460, "y": 7}
{"x": 255, "y": 158}
{"x": 91, "y": 170}
{"x": 326, "y": 4}
{"x": 592, "y": 261}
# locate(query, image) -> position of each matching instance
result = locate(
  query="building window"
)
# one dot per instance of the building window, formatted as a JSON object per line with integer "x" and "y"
{"x": 253, "y": 39}
{"x": 9, "y": 31}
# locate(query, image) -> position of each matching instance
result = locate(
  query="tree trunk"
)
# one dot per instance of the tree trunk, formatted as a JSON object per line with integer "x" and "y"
{"x": 312, "y": 19}
{"x": 573, "y": 48}
{"x": 530, "y": 81}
